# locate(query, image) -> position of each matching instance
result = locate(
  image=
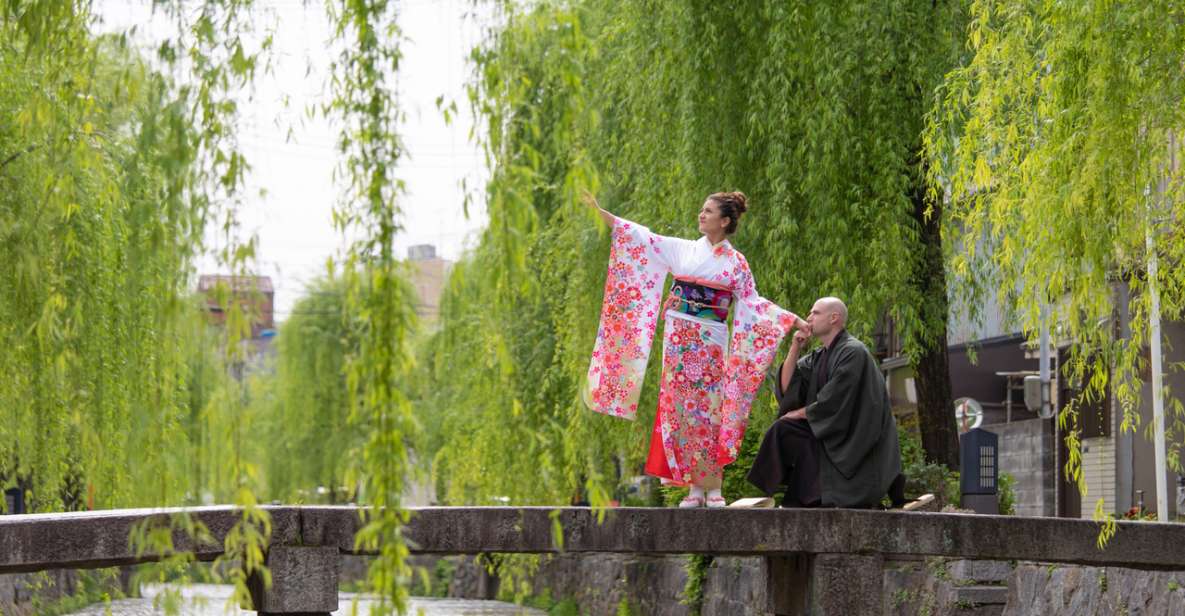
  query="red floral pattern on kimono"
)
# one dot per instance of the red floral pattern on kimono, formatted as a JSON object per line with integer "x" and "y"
{"x": 706, "y": 391}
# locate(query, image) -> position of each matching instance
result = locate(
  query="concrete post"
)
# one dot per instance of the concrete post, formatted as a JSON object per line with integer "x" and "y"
{"x": 304, "y": 581}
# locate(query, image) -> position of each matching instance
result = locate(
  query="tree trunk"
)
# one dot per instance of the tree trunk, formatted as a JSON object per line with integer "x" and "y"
{"x": 936, "y": 418}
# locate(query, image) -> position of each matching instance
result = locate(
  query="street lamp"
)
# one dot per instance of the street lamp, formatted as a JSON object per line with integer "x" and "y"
{"x": 1037, "y": 388}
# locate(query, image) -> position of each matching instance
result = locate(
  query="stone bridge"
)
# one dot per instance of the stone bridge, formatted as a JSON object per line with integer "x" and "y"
{"x": 819, "y": 561}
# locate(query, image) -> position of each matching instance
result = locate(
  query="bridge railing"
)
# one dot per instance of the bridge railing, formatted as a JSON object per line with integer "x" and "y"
{"x": 819, "y": 561}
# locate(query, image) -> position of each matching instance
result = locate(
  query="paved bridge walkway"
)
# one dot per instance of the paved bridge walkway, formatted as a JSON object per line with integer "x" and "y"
{"x": 820, "y": 561}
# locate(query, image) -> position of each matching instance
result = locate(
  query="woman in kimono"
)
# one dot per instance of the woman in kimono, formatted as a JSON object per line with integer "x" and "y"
{"x": 709, "y": 379}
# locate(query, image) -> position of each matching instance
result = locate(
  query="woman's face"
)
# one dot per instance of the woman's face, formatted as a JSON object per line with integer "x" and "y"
{"x": 710, "y": 221}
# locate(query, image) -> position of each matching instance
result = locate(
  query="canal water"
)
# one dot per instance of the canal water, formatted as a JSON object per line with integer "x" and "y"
{"x": 210, "y": 600}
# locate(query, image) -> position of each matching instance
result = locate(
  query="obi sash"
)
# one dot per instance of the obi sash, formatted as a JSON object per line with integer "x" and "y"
{"x": 699, "y": 300}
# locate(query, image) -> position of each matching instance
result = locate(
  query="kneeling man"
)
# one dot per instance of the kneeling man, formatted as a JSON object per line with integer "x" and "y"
{"x": 835, "y": 442}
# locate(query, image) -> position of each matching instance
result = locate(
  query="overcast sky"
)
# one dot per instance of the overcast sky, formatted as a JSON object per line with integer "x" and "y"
{"x": 293, "y": 157}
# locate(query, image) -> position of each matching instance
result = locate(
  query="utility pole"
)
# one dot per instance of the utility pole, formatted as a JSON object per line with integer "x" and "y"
{"x": 1046, "y": 410}
{"x": 1162, "y": 490}
{"x": 1162, "y": 499}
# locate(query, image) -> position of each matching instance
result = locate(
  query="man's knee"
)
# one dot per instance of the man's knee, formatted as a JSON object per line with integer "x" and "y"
{"x": 795, "y": 429}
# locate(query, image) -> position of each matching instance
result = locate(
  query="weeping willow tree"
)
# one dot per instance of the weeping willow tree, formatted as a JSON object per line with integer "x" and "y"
{"x": 94, "y": 301}
{"x": 112, "y": 176}
{"x": 304, "y": 406}
{"x": 814, "y": 110}
{"x": 1059, "y": 141}
{"x": 110, "y": 173}
{"x": 365, "y": 106}
{"x": 309, "y": 390}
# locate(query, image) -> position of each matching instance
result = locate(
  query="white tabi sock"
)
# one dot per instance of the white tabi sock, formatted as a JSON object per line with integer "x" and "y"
{"x": 715, "y": 493}
{"x": 696, "y": 491}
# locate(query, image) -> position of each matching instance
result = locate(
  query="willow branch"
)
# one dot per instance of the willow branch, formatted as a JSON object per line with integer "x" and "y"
{"x": 17, "y": 155}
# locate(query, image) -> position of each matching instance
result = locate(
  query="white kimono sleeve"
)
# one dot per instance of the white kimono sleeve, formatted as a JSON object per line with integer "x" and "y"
{"x": 758, "y": 326}
{"x": 639, "y": 262}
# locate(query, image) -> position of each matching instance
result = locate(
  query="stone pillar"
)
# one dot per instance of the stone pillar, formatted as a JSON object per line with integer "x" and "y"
{"x": 788, "y": 584}
{"x": 824, "y": 584}
{"x": 304, "y": 581}
{"x": 488, "y": 579}
{"x": 843, "y": 584}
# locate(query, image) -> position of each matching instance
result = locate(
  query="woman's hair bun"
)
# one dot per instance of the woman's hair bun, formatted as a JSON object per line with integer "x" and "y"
{"x": 742, "y": 202}
{"x": 732, "y": 205}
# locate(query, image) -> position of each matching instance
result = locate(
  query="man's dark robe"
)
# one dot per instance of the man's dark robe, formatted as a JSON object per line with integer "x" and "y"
{"x": 788, "y": 456}
{"x": 848, "y": 412}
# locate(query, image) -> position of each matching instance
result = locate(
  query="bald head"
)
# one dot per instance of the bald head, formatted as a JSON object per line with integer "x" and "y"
{"x": 834, "y": 305}
{"x": 828, "y": 316}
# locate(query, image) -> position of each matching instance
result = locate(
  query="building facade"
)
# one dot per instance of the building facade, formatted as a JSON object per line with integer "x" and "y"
{"x": 988, "y": 362}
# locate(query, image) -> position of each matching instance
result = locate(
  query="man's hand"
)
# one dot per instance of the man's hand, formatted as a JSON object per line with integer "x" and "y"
{"x": 794, "y": 415}
{"x": 801, "y": 336}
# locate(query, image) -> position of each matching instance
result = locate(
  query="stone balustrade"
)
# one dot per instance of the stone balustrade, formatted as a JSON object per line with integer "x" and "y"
{"x": 819, "y": 561}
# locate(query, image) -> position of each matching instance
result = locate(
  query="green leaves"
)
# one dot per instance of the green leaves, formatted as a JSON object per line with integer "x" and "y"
{"x": 110, "y": 174}
{"x": 1057, "y": 140}
{"x": 364, "y": 103}
{"x": 92, "y": 301}
{"x": 106, "y": 186}
{"x": 1075, "y": 111}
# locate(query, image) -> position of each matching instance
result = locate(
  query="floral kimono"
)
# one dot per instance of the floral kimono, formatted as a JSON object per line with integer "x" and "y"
{"x": 708, "y": 380}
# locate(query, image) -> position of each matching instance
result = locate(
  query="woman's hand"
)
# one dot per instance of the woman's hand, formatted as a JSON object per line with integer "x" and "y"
{"x": 591, "y": 202}
{"x": 801, "y": 336}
